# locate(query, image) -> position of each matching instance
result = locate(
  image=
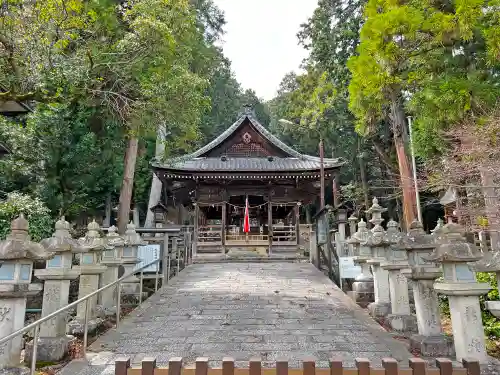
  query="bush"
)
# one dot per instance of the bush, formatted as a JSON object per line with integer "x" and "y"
{"x": 35, "y": 211}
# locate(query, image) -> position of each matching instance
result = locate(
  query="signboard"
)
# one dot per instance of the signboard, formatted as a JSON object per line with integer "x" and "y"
{"x": 148, "y": 254}
{"x": 348, "y": 270}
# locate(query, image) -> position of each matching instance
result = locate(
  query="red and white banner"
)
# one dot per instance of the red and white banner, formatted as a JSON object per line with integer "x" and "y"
{"x": 246, "y": 225}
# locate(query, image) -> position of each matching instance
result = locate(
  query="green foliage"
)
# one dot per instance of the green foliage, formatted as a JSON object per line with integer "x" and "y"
{"x": 38, "y": 215}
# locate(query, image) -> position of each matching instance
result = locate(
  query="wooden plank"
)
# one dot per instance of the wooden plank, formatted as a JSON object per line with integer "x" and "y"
{"x": 227, "y": 366}
{"x": 418, "y": 365}
{"x": 201, "y": 366}
{"x": 122, "y": 365}
{"x": 309, "y": 366}
{"x": 472, "y": 366}
{"x": 363, "y": 366}
{"x": 148, "y": 366}
{"x": 255, "y": 366}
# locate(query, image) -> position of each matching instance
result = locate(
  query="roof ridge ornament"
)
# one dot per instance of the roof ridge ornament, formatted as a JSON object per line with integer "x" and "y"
{"x": 247, "y": 110}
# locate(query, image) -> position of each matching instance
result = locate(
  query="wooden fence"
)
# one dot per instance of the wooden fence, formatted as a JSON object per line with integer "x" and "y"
{"x": 417, "y": 366}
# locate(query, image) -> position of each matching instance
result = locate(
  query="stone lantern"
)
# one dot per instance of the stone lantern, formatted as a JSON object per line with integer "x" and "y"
{"x": 490, "y": 263}
{"x": 17, "y": 254}
{"x": 90, "y": 269}
{"x": 400, "y": 318}
{"x": 462, "y": 290}
{"x": 160, "y": 213}
{"x": 352, "y": 224}
{"x": 430, "y": 340}
{"x": 113, "y": 259}
{"x": 379, "y": 243}
{"x": 133, "y": 240}
{"x": 57, "y": 275}
{"x": 363, "y": 284}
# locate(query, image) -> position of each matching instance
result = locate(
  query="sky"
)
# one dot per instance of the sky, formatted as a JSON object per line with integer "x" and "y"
{"x": 261, "y": 40}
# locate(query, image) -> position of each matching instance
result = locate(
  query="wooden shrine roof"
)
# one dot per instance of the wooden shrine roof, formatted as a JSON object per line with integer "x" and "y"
{"x": 245, "y": 147}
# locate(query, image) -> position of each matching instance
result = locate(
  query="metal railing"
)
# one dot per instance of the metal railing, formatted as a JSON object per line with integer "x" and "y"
{"x": 36, "y": 325}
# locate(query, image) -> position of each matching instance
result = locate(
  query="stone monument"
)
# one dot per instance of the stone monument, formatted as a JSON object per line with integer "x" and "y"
{"x": 378, "y": 243}
{"x": 462, "y": 290}
{"x": 430, "y": 340}
{"x": 17, "y": 253}
{"x": 400, "y": 318}
{"x": 133, "y": 240}
{"x": 490, "y": 263}
{"x": 362, "y": 288}
{"x": 57, "y": 274}
{"x": 113, "y": 260}
{"x": 90, "y": 269}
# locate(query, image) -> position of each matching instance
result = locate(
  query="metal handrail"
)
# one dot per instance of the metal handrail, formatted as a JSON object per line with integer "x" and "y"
{"x": 36, "y": 325}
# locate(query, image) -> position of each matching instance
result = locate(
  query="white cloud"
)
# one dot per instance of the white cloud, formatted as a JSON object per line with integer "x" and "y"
{"x": 261, "y": 40}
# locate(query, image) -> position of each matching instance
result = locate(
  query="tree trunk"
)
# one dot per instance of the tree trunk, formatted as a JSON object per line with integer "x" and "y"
{"x": 108, "y": 209}
{"x": 128, "y": 183}
{"x": 362, "y": 172}
{"x": 405, "y": 171}
{"x": 156, "y": 186}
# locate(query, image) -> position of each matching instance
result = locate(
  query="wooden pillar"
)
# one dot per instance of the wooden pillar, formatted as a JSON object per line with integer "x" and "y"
{"x": 195, "y": 231}
{"x": 223, "y": 229}
{"x": 297, "y": 222}
{"x": 270, "y": 224}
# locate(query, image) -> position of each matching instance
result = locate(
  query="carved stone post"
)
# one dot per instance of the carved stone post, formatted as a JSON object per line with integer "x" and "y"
{"x": 362, "y": 288}
{"x": 53, "y": 343}
{"x": 430, "y": 340}
{"x": 17, "y": 254}
{"x": 378, "y": 244}
{"x": 462, "y": 290}
{"x": 90, "y": 269}
{"x": 400, "y": 318}
{"x": 133, "y": 240}
{"x": 490, "y": 263}
{"x": 113, "y": 260}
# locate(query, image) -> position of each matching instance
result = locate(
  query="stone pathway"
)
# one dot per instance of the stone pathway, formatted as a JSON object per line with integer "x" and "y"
{"x": 242, "y": 310}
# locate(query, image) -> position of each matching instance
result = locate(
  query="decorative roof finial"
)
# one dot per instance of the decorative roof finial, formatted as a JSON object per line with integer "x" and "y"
{"x": 247, "y": 110}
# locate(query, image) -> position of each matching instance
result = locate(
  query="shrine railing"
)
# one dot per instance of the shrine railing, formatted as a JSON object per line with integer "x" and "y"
{"x": 284, "y": 234}
{"x": 210, "y": 235}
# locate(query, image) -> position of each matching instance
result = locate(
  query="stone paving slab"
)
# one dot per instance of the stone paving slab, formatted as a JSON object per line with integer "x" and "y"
{"x": 243, "y": 310}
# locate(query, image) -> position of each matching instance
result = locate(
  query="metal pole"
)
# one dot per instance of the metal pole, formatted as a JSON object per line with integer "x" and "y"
{"x": 34, "y": 350}
{"x": 118, "y": 302}
{"x": 414, "y": 162}
{"x": 86, "y": 328}
{"x": 322, "y": 173}
{"x": 140, "y": 287}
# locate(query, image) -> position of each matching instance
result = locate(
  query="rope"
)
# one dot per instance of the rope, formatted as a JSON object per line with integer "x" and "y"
{"x": 236, "y": 206}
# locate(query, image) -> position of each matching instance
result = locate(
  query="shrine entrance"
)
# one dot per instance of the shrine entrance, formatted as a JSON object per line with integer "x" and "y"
{"x": 270, "y": 223}
{"x": 246, "y": 160}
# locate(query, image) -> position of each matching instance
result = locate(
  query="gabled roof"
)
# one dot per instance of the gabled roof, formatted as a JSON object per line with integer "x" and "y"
{"x": 295, "y": 161}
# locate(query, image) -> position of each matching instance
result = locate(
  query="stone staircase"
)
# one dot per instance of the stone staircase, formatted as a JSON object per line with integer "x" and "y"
{"x": 288, "y": 253}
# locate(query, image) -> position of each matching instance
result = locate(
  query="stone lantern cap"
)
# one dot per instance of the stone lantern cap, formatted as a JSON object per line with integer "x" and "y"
{"x": 378, "y": 237}
{"x": 416, "y": 238}
{"x": 113, "y": 238}
{"x": 18, "y": 244}
{"x": 490, "y": 262}
{"x": 132, "y": 238}
{"x": 61, "y": 240}
{"x": 393, "y": 233}
{"x": 453, "y": 247}
{"x": 352, "y": 219}
{"x": 92, "y": 241}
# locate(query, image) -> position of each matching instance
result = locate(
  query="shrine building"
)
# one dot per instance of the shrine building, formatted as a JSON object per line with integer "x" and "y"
{"x": 244, "y": 161}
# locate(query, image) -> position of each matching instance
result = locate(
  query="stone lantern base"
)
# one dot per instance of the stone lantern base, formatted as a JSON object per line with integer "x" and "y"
{"x": 433, "y": 346}
{"x": 402, "y": 323}
{"x": 49, "y": 349}
{"x": 362, "y": 293}
{"x": 379, "y": 309}
{"x": 14, "y": 371}
{"x": 493, "y": 307}
{"x": 77, "y": 326}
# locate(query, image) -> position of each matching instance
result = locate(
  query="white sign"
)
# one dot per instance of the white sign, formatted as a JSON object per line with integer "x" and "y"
{"x": 348, "y": 270}
{"x": 148, "y": 254}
